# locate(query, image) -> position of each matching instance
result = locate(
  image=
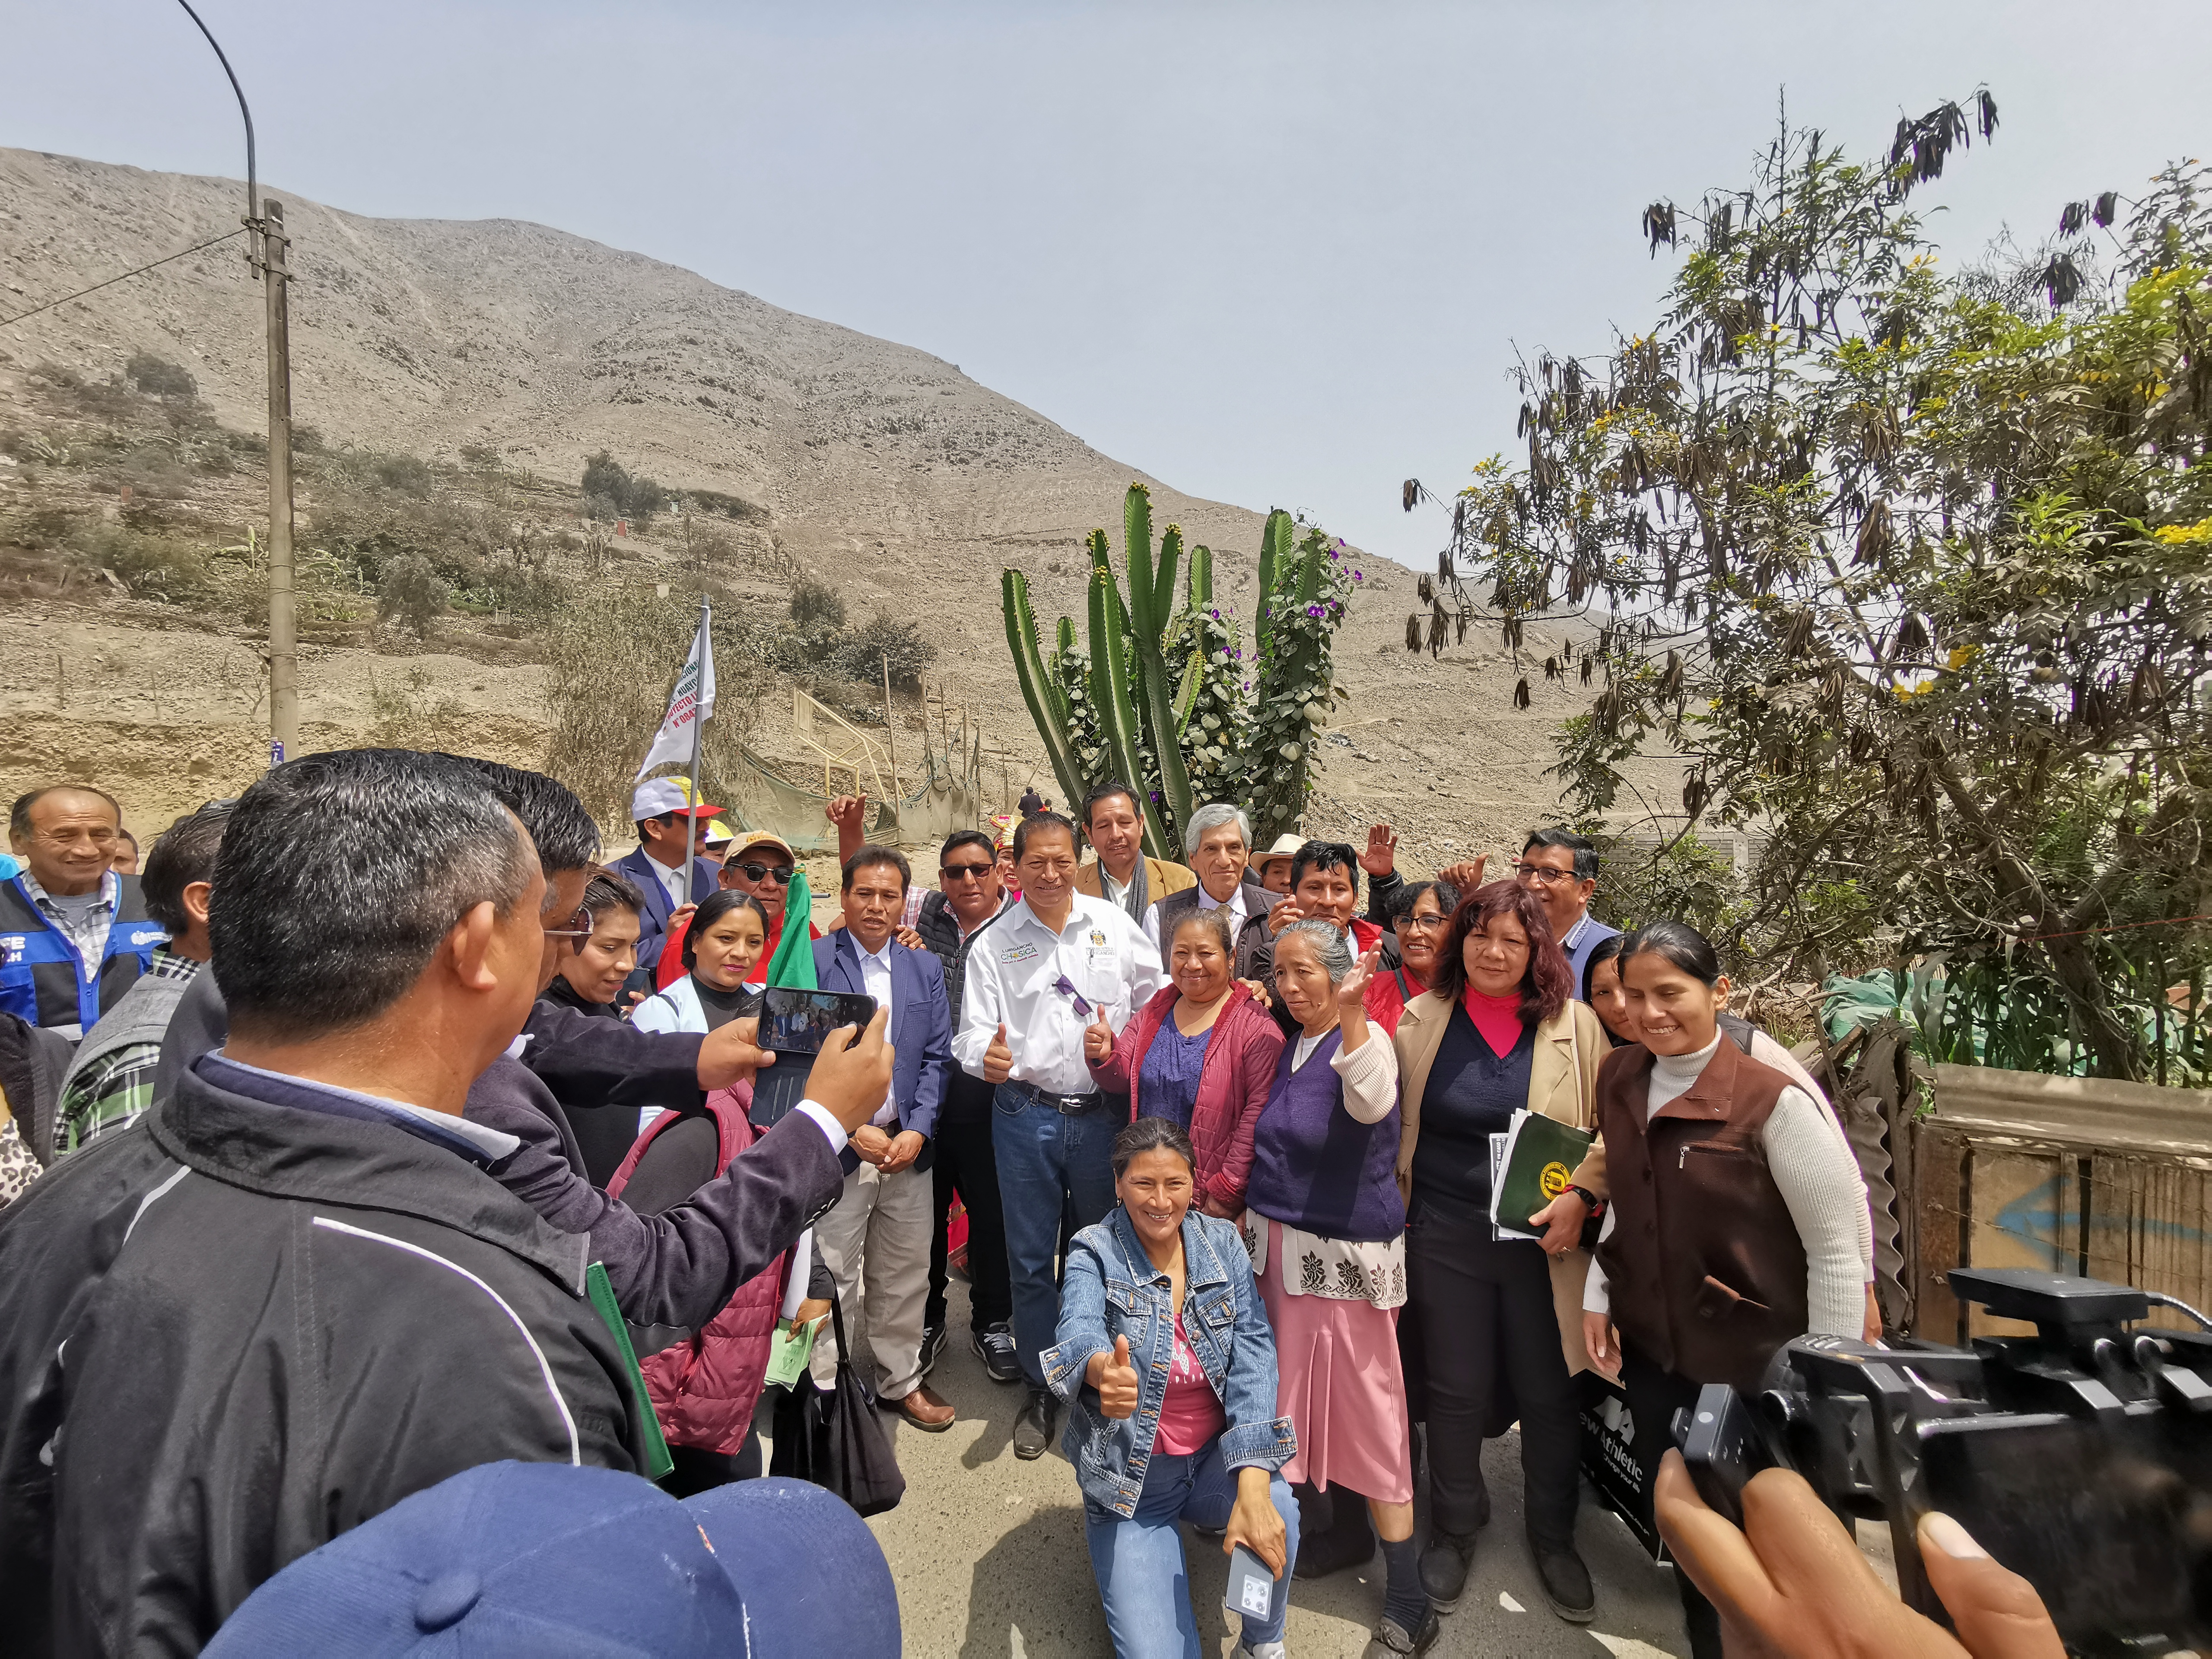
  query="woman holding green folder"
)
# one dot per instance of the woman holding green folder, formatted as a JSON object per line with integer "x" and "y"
{"x": 1499, "y": 1031}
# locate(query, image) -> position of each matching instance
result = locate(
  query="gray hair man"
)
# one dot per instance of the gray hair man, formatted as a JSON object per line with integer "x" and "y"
{"x": 1219, "y": 844}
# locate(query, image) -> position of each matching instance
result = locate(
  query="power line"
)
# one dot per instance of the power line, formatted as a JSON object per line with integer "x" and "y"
{"x": 140, "y": 271}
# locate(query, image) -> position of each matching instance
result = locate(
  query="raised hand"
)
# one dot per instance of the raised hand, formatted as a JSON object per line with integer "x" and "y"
{"x": 846, "y": 811}
{"x": 1380, "y": 858}
{"x": 998, "y": 1058}
{"x": 1466, "y": 876}
{"x": 1115, "y": 1379}
{"x": 1351, "y": 989}
{"x": 853, "y": 1073}
{"x": 1097, "y": 1039}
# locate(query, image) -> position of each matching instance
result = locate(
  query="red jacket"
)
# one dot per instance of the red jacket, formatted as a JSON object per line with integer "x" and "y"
{"x": 1232, "y": 1086}
{"x": 704, "y": 1391}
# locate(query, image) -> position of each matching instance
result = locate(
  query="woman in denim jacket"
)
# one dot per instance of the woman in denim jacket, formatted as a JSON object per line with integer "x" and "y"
{"x": 1165, "y": 1353}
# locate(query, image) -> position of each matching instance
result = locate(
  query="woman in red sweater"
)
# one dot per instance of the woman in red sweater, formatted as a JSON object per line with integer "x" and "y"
{"x": 1200, "y": 1054}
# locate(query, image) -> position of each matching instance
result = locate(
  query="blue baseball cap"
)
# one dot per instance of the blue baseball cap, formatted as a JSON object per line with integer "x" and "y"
{"x": 535, "y": 1559}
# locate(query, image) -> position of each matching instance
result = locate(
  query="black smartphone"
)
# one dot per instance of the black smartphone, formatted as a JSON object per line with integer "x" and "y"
{"x": 799, "y": 1022}
{"x": 793, "y": 1025}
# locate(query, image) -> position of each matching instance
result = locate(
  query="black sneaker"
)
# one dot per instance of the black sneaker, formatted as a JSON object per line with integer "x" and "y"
{"x": 1566, "y": 1583}
{"x": 1444, "y": 1566}
{"x": 1391, "y": 1639}
{"x": 933, "y": 1344}
{"x": 1033, "y": 1428}
{"x": 994, "y": 1346}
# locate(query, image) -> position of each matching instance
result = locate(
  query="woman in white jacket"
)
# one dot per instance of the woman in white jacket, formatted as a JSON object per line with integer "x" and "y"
{"x": 721, "y": 946}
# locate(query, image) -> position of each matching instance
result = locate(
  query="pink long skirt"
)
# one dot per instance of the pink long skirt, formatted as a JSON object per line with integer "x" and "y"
{"x": 1340, "y": 1384}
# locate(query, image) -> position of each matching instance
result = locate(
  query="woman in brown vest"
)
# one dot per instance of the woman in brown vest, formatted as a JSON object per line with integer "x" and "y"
{"x": 1735, "y": 1214}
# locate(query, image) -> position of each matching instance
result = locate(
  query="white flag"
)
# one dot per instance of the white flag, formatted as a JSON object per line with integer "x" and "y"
{"x": 692, "y": 701}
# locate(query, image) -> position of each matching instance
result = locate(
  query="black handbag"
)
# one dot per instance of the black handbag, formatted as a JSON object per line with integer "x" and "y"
{"x": 833, "y": 1437}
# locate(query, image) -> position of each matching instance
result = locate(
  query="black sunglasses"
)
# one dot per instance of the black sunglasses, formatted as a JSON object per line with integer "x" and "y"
{"x": 965, "y": 872}
{"x": 774, "y": 873}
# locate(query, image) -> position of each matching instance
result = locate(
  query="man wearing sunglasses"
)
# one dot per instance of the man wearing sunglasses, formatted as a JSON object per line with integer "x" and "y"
{"x": 758, "y": 863}
{"x": 969, "y": 896}
{"x": 1562, "y": 867}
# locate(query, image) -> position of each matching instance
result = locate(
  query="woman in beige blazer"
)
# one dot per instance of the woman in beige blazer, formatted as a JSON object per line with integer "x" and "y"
{"x": 1497, "y": 1030}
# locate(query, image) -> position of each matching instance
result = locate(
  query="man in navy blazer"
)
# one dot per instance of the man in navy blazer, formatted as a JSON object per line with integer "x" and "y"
{"x": 662, "y": 808}
{"x": 879, "y": 1234}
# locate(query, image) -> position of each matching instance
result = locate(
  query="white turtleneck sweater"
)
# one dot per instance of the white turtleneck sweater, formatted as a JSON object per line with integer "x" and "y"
{"x": 1819, "y": 1181}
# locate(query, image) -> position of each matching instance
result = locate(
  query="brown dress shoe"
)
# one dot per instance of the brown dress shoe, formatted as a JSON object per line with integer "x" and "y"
{"x": 924, "y": 1409}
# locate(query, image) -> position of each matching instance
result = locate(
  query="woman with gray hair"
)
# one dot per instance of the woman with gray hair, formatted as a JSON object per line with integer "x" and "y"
{"x": 1325, "y": 1226}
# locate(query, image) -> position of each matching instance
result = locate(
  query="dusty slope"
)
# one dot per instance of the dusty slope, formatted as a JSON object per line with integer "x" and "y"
{"x": 885, "y": 468}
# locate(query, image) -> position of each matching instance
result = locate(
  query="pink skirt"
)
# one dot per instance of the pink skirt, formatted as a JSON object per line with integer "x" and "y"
{"x": 1340, "y": 1383}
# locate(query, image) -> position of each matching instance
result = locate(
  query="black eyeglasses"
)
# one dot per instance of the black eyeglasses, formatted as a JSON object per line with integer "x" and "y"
{"x": 965, "y": 872}
{"x": 774, "y": 873}
{"x": 1542, "y": 872}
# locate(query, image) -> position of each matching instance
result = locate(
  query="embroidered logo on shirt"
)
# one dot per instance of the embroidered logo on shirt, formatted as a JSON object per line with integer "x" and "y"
{"x": 1017, "y": 953}
{"x": 1097, "y": 938}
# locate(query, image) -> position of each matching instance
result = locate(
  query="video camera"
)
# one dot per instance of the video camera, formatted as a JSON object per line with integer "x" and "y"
{"x": 2080, "y": 1457}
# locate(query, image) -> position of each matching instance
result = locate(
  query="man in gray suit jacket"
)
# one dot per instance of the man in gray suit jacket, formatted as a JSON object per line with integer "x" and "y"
{"x": 1218, "y": 843}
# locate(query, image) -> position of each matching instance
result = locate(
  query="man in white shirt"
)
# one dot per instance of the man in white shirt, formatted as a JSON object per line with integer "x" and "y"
{"x": 1047, "y": 967}
{"x": 876, "y": 1241}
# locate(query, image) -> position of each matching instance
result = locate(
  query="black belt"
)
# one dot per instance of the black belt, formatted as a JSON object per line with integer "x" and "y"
{"x": 1066, "y": 1105}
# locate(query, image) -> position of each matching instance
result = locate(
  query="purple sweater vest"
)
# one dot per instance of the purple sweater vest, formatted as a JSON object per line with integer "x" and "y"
{"x": 1317, "y": 1167}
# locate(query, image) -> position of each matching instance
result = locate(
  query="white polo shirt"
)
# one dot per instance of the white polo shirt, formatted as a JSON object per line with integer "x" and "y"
{"x": 1013, "y": 973}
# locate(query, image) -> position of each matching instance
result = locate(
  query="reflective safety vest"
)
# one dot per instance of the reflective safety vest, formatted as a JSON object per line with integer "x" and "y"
{"x": 42, "y": 977}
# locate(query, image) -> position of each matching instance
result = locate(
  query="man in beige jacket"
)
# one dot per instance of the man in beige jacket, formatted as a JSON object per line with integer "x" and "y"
{"x": 1114, "y": 823}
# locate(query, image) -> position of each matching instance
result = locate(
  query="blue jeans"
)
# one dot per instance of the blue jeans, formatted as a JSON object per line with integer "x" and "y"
{"x": 1140, "y": 1561}
{"x": 1046, "y": 1161}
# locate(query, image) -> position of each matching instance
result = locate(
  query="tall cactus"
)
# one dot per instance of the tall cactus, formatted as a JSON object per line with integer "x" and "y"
{"x": 1169, "y": 703}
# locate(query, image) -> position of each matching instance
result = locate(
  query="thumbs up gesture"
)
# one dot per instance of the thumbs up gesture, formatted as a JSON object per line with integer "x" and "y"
{"x": 1097, "y": 1039}
{"x": 1115, "y": 1379}
{"x": 998, "y": 1058}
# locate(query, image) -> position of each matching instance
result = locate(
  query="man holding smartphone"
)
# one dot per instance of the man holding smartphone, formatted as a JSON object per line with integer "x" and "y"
{"x": 1054, "y": 963}
{"x": 876, "y": 1241}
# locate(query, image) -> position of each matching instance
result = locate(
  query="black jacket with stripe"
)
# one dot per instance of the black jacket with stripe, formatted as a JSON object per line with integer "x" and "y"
{"x": 279, "y": 1323}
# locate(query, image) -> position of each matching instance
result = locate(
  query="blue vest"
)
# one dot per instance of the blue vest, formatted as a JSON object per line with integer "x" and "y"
{"x": 42, "y": 977}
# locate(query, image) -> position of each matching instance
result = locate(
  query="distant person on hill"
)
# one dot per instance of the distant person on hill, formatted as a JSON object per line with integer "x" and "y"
{"x": 79, "y": 934}
{"x": 125, "y": 861}
{"x": 662, "y": 808}
{"x": 1032, "y": 803}
{"x": 1114, "y": 823}
{"x": 112, "y": 1080}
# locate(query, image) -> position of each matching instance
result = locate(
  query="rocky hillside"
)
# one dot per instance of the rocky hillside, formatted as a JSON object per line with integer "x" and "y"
{"x": 878, "y": 468}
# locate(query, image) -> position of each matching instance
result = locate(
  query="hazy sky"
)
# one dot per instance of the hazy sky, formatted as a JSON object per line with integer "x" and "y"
{"x": 1279, "y": 253}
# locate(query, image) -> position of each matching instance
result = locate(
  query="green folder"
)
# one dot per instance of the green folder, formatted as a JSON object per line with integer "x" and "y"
{"x": 1540, "y": 1154}
{"x": 657, "y": 1461}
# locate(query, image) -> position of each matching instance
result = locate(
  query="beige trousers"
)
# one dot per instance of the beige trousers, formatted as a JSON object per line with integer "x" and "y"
{"x": 875, "y": 1242}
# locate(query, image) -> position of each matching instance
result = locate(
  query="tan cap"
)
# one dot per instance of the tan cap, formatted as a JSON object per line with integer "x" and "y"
{"x": 753, "y": 838}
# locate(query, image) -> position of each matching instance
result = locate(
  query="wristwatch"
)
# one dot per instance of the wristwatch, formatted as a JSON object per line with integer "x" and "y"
{"x": 1591, "y": 1201}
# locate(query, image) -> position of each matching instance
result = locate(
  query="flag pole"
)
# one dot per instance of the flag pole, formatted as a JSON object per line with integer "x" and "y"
{"x": 698, "y": 732}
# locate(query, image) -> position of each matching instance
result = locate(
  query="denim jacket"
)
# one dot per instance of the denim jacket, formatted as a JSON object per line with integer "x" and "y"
{"x": 1113, "y": 1290}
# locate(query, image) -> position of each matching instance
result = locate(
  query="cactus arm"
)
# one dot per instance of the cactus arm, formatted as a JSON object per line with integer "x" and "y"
{"x": 1137, "y": 550}
{"x": 1274, "y": 547}
{"x": 1029, "y": 669}
{"x": 1064, "y": 641}
{"x": 1201, "y": 577}
{"x": 1117, "y": 711}
{"x": 1162, "y": 728}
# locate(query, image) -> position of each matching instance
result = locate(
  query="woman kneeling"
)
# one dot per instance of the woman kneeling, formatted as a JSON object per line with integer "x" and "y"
{"x": 1167, "y": 1358}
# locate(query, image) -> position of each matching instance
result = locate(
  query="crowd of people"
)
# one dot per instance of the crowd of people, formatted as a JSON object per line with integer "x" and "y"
{"x": 1221, "y": 1134}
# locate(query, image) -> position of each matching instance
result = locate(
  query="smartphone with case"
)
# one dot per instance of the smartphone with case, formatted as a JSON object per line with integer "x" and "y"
{"x": 794, "y": 1024}
{"x": 1251, "y": 1587}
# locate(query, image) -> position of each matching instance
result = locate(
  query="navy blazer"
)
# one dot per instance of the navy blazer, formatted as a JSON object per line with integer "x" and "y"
{"x": 653, "y": 925}
{"x": 922, "y": 1024}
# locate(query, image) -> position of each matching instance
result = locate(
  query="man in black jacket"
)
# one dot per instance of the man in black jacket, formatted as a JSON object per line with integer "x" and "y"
{"x": 291, "y": 1295}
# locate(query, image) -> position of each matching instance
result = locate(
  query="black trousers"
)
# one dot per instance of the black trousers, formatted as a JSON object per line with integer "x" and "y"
{"x": 1485, "y": 1308}
{"x": 1654, "y": 1396}
{"x": 966, "y": 1165}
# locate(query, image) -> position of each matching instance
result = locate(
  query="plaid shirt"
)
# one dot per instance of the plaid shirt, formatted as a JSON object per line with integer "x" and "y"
{"x": 89, "y": 932}
{"x": 111, "y": 1091}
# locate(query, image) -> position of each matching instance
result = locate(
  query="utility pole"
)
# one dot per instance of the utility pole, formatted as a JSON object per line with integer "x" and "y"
{"x": 890, "y": 731}
{"x": 283, "y": 679}
{"x": 266, "y": 246}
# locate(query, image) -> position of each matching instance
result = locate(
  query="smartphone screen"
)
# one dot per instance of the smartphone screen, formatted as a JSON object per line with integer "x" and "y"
{"x": 798, "y": 1022}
